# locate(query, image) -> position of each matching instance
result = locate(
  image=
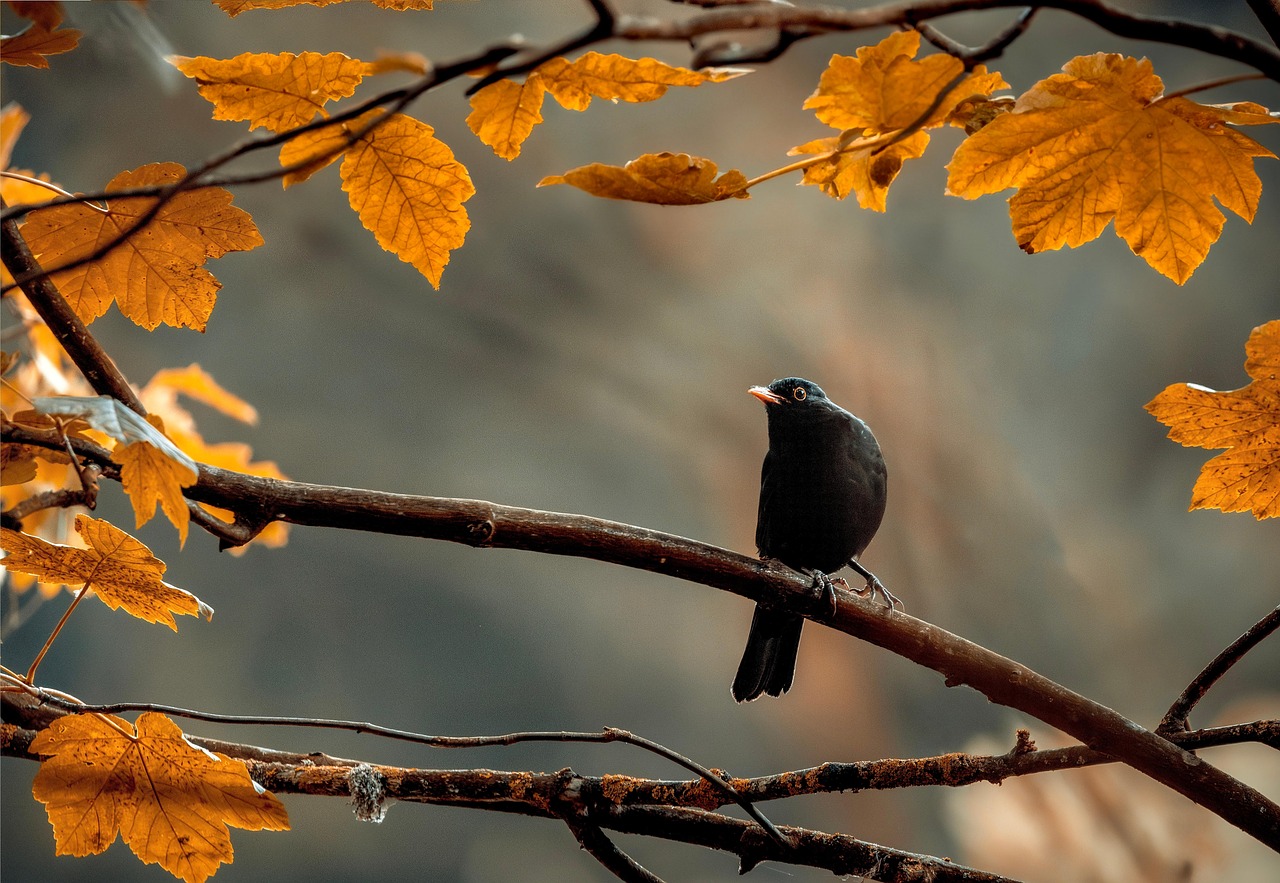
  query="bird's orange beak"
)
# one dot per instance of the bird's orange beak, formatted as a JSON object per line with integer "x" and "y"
{"x": 764, "y": 395}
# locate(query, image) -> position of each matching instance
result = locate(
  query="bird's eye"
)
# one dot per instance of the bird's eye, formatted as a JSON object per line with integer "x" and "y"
{"x": 799, "y": 394}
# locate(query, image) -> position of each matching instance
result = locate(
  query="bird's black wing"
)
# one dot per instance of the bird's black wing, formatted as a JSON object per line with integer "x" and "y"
{"x": 762, "y": 514}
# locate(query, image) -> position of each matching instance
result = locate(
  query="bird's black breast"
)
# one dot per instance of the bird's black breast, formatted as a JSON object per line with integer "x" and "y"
{"x": 822, "y": 490}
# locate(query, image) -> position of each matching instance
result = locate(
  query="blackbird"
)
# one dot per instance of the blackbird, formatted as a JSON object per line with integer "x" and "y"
{"x": 822, "y": 495}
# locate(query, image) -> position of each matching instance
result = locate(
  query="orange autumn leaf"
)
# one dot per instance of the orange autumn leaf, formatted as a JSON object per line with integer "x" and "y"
{"x": 157, "y": 275}
{"x": 860, "y": 169}
{"x": 17, "y": 464}
{"x": 317, "y": 148}
{"x": 1245, "y": 421}
{"x": 29, "y": 48}
{"x": 873, "y": 98}
{"x": 13, "y": 119}
{"x": 280, "y": 92}
{"x": 618, "y": 78}
{"x": 1098, "y": 143}
{"x": 149, "y": 477}
{"x": 404, "y": 62}
{"x": 883, "y": 88}
{"x": 658, "y": 178}
{"x": 123, "y": 572}
{"x": 170, "y": 801}
{"x": 408, "y": 189}
{"x": 504, "y": 113}
{"x": 197, "y": 383}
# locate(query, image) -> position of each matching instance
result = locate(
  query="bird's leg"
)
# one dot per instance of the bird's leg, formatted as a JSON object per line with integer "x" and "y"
{"x": 875, "y": 587}
{"x": 825, "y": 590}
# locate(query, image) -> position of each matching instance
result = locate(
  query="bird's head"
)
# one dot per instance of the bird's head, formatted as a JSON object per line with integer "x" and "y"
{"x": 789, "y": 392}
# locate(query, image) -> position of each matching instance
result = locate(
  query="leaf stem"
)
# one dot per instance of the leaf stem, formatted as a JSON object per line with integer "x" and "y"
{"x": 800, "y": 165}
{"x": 49, "y": 185}
{"x": 1214, "y": 84}
{"x": 31, "y": 672}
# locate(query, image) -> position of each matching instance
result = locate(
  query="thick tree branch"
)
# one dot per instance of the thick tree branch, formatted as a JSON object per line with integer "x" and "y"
{"x": 490, "y": 525}
{"x": 83, "y": 348}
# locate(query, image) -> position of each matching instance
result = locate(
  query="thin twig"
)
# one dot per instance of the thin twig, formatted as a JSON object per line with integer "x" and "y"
{"x": 1214, "y": 84}
{"x": 1175, "y": 719}
{"x": 601, "y": 30}
{"x": 195, "y": 179}
{"x": 609, "y": 734}
{"x": 49, "y": 185}
{"x": 607, "y": 853}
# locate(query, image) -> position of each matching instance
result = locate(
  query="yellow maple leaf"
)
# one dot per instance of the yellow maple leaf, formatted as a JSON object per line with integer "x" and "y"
{"x": 149, "y": 477}
{"x": 873, "y": 97}
{"x": 199, "y": 384}
{"x": 169, "y": 800}
{"x": 658, "y": 178}
{"x": 408, "y": 189}
{"x": 503, "y": 114}
{"x": 1245, "y": 421}
{"x": 1097, "y": 143}
{"x": 882, "y": 89}
{"x": 29, "y": 48}
{"x": 123, "y": 572}
{"x": 865, "y": 170}
{"x": 280, "y": 91}
{"x": 13, "y": 119}
{"x": 156, "y": 276}
{"x": 160, "y": 397}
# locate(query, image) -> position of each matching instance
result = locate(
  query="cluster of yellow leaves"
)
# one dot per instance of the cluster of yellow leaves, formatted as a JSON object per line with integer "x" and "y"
{"x": 157, "y": 460}
{"x": 41, "y": 38}
{"x": 1244, "y": 421}
{"x": 504, "y": 113}
{"x": 1096, "y": 143}
{"x": 1092, "y": 144}
{"x": 402, "y": 181}
{"x": 160, "y": 396}
{"x": 405, "y": 184}
{"x": 170, "y": 800}
{"x": 877, "y": 99}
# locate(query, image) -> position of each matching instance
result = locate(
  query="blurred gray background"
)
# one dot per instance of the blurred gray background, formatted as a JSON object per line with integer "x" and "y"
{"x": 592, "y": 356}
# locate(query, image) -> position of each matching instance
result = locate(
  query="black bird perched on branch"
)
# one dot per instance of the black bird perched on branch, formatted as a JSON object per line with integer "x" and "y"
{"x": 822, "y": 495}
